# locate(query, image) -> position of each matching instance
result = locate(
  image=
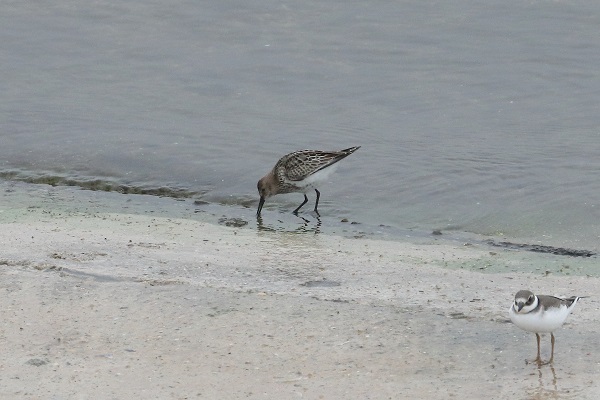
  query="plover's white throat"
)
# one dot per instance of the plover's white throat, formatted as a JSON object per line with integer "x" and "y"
{"x": 300, "y": 171}
{"x": 540, "y": 314}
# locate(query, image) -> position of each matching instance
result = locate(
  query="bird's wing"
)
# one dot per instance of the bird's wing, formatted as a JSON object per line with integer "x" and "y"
{"x": 299, "y": 165}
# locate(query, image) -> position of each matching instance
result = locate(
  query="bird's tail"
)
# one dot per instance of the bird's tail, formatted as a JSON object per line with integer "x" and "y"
{"x": 573, "y": 300}
{"x": 350, "y": 150}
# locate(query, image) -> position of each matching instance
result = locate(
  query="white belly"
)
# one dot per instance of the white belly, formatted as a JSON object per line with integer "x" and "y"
{"x": 545, "y": 322}
{"x": 314, "y": 180}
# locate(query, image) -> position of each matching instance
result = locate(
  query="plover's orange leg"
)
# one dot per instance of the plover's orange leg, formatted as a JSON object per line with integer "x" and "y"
{"x": 551, "y": 360}
{"x": 538, "y": 359}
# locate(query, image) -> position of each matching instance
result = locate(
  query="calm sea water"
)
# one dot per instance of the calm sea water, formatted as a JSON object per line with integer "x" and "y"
{"x": 480, "y": 117}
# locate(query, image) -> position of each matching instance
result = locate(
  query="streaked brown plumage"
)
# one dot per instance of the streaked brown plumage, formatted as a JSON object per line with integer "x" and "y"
{"x": 300, "y": 171}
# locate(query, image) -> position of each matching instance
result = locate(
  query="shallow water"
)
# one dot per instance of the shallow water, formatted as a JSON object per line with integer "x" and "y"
{"x": 473, "y": 117}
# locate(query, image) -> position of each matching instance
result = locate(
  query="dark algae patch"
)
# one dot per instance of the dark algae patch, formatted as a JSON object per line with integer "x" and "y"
{"x": 98, "y": 185}
{"x": 234, "y": 222}
{"x": 323, "y": 283}
{"x": 538, "y": 248}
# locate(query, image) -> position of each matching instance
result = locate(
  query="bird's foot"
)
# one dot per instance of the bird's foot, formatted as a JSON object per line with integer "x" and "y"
{"x": 537, "y": 361}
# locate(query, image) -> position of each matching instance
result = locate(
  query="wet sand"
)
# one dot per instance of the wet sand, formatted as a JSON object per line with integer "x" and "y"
{"x": 113, "y": 305}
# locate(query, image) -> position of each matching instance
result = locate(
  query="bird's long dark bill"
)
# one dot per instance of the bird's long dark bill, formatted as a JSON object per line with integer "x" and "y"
{"x": 260, "y": 206}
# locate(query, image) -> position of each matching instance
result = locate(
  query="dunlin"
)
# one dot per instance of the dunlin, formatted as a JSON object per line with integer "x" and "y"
{"x": 300, "y": 171}
{"x": 541, "y": 314}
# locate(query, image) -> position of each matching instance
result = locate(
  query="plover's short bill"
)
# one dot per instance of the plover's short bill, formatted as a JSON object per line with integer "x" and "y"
{"x": 540, "y": 314}
{"x": 300, "y": 171}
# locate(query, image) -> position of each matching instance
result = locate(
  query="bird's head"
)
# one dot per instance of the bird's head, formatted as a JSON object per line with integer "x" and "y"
{"x": 524, "y": 301}
{"x": 267, "y": 187}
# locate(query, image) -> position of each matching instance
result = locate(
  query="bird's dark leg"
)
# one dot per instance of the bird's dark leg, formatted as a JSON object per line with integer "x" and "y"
{"x": 317, "y": 202}
{"x": 300, "y": 206}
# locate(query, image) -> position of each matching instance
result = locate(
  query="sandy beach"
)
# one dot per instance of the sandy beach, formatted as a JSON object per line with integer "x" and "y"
{"x": 108, "y": 305}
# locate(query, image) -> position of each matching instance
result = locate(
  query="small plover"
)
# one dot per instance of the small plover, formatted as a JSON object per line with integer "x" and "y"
{"x": 540, "y": 314}
{"x": 300, "y": 171}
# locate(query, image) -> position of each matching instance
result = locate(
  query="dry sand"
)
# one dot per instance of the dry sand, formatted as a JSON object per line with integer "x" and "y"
{"x": 99, "y": 305}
